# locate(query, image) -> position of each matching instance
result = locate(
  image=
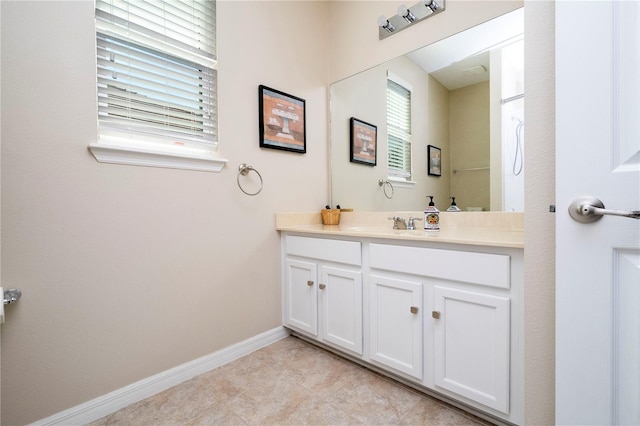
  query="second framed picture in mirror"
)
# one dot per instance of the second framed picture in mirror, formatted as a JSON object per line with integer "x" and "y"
{"x": 364, "y": 142}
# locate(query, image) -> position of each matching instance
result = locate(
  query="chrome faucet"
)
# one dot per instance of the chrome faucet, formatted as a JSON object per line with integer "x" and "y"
{"x": 401, "y": 223}
{"x": 411, "y": 224}
{"x": 398, "y": 222}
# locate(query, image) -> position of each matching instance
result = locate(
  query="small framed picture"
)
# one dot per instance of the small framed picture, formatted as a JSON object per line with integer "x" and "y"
{"x": 281, "y": 121}
{"x": 364, "y": 142}
{"x": 434, "y": 157}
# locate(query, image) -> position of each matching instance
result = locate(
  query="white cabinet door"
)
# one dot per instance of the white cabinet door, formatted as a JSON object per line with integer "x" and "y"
{"x": 340, "y": 302}
{"x": 301, "y": 295}
{"x": 396, "y": 324}
{"x": 471, "y": 332}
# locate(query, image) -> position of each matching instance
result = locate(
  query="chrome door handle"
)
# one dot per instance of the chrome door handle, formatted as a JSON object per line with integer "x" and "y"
{"x": 590, "y": 209}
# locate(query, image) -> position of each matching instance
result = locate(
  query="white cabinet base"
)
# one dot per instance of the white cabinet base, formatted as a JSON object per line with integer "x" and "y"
{"x": 443, "y": 319}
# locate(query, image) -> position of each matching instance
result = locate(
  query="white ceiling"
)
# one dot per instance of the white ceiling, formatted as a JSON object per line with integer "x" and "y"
{"x": 453, "y": 61}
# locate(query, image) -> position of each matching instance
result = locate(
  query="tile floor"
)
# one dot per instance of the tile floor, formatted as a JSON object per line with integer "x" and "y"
{"x": 290, "y": 382}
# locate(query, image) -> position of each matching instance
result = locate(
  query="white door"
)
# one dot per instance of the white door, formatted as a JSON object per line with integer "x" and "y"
{"x": 598, "y": 264}
{"x": 340, "y": 303}
{"x": 301, "y": 295}
{"x": 396, "y": 324}
{"x": 471, "y": 335}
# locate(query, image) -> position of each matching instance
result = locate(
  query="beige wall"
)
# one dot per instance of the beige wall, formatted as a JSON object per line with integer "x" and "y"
{"x": 469, "y": 144}
{"x": 539, "y": 259}
{"x": 129, "y": 271}
{"x": 0, "y": 210}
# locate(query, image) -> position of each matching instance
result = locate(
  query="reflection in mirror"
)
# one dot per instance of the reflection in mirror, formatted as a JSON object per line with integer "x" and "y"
{"x": 467, "y": 98}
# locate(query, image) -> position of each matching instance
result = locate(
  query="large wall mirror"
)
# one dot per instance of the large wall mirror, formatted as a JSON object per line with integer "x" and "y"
{"x": 467, "y": 100}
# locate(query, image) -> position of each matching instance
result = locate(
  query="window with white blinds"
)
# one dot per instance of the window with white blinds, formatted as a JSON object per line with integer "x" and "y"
{"x": 398, "y": 130}
{"x": 157, "y": 72}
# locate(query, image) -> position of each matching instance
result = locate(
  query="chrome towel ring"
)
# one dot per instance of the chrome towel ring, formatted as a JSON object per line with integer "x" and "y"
{"x": 244, "y": 170}
{"x": 386, "y": 184}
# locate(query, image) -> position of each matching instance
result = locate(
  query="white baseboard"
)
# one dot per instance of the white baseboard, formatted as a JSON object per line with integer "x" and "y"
{"x": 104, "y": 405}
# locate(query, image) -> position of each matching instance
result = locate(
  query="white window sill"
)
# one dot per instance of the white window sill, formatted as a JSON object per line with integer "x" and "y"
{"x": 401, "y": 183}
{"x": 152, "y": 155}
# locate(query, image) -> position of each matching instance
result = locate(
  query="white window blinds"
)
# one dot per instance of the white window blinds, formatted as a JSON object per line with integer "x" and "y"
{"x": 157, "y": 71}
{"x": 398, "y": 130}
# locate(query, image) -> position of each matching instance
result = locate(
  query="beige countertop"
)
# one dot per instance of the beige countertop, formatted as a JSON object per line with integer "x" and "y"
{"x": 494, "y": 229}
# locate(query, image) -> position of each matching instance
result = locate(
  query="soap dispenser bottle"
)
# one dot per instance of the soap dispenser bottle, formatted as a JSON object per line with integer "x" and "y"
{"x": 431, "y": 216}
{"x": 453, "y": 207}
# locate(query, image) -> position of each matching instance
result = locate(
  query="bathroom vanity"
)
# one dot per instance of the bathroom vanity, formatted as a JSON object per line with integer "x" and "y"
{"x": 441, "y": 312}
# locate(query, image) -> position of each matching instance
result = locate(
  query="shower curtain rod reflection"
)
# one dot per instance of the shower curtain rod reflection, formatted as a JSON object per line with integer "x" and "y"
{"x": 512, "y": 98}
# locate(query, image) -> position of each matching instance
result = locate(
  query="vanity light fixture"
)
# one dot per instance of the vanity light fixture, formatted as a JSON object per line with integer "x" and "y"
{"x": 386, "y": 25}
{"x": 408, "y": 16}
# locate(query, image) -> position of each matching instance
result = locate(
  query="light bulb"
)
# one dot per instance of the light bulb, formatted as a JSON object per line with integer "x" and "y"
{"x": 384, "y": 23}
{"x": 406, "y": 13}
{"x": 431, "y": 4}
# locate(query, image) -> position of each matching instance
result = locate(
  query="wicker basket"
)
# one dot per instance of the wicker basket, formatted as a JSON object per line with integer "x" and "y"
{"x": 330, "y": 216}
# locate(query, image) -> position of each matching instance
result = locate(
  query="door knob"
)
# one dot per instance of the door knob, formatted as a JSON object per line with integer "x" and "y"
{"x": 11, "y": 295}
{"x": 590, "y": 209}
{"x": 321, "y": 286}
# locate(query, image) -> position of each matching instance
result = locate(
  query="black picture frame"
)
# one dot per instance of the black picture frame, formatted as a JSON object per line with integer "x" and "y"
{"x": 434, "y": 161}
{"x": 282, "y": 120}
{"x": 363, "y": 147}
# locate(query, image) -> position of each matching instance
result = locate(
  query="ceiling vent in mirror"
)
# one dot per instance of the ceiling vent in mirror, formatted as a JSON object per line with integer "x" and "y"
{"x": 476, "y": 70}
{"x": 408, "y": 16}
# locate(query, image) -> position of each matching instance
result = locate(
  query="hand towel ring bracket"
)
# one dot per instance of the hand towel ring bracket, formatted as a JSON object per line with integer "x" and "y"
{"x": 244, "y": 170}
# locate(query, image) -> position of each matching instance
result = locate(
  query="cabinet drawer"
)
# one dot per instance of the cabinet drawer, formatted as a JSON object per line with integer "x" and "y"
{"x": 347, "y": 252}
{"x": 476, "y": 268}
